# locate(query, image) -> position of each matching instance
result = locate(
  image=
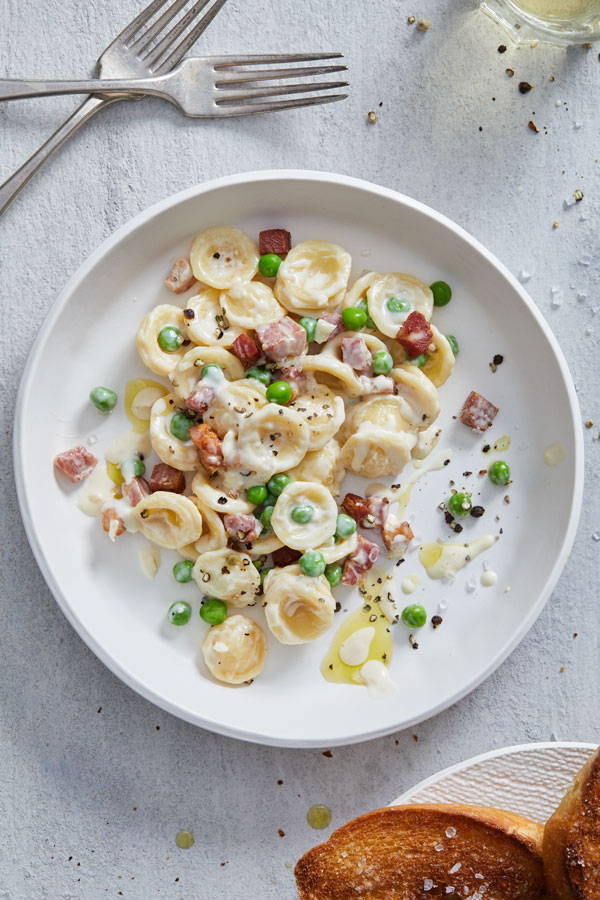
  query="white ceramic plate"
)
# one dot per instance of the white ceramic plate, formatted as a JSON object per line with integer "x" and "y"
{"x": 530, "y": 779}
{"x": 88, "y": 339}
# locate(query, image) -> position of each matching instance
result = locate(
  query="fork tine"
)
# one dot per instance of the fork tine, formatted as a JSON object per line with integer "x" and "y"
{"x": 278, "y": 90}
{"x": 144, "y": 40}
{"x": 244, "y": 109}
{"x": 271, "y": 74}
{"x": 132, "y": 29}
{"x": 226, "y": 62}
{"x": 190, "y": 39}
{"x": 154, "y": 54}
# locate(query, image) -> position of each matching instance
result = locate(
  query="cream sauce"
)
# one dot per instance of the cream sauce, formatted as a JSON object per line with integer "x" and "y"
{"x": 444, "y": 560}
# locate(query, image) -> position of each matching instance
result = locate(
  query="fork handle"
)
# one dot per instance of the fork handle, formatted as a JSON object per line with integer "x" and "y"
{"x": 13, "y": 185}
{"x": 19, "y": 89}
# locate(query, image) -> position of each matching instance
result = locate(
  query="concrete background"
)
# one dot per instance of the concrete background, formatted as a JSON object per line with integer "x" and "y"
{"x": 95, "y": 782}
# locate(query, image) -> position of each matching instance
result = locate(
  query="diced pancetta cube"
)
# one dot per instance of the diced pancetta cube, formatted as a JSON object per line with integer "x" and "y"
{"x": 285, "y": 556}
{"x": 201, "y": 397}
{"x": 246, "y": 349}
{"x": 378, "y": 384}
{"x": 275, "y": 240}
{"x": 395, "y": 535}
{"x": 210, "y": 449}
{"x": 415, "y": 335}
{"x": 368, "y": 512}
{"x": 135, "y": 490}
{"x": 356, "y": 353}
{"x": 166, "y": 478}
{"x": 282, "y": 339}
{"x": 333, "y": 319}
{"x": 76, "y": 463}
{"x": 112, "y": 523}
{"x": 242, "y": 527}
{"x": 477, "y": 412}
{"x": 364, "y": 558}
{"x": 181, "y": 277}
{"x": 295, "y": 377}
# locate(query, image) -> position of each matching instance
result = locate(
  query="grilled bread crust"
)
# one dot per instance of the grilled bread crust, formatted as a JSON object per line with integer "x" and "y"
{"x": 571, "y": 847}
{"x": 417, "y": 852}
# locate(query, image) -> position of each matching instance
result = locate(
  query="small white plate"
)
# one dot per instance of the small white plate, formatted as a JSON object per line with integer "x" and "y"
{"x": 88, "y": 339}
{"x": 530, "y": 779}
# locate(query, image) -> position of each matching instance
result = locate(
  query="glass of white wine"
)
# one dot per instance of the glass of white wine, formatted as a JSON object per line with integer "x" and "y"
{"x": 554, "y": 21}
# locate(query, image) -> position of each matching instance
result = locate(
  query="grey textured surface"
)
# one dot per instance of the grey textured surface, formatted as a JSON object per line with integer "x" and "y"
{"x": 94, "y": 781}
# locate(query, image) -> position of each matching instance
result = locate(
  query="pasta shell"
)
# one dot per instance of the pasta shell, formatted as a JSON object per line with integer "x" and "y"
{"x": 222, "y": 256}
{"x": 374, "y": 452}
{"x": 170, "y": 520}
{"x": 235, "y": 651}
{"x": 274, "y": 439}
{"x": 182, "y": 455}
{"x": 235, "y": 404}
{"x": 186, "y": 373}
{"x": 314, "y": 275}
{"x": 323, "y": 412}
{"x": 298, "y": 608}
{"x": 152, "y": 354}
{"x": 251, "y": 304}
{"x": 323, "y": 466}
{"x": 311, "y": 534}
{"x": 440, "y": 362}
{"x": 402, "y": 287}
{"x": 228, "y": 575}
{"x": 218, "y": 500}
{"x": 210, "y": 325}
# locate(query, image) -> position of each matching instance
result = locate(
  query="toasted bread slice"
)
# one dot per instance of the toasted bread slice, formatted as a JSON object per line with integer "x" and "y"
{"x": 571, "y": 847}
{"x": 425, "y": 851}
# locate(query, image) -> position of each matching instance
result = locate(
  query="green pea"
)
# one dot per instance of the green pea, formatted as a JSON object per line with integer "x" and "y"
{"x": 354, "y": 318}
{"x": 333, "y": 574}
{"x": 103, "y": 399}
{"x": 259, "y": 563}
{"x": 362, "y": 304}
{"x": 453, "y": 343}
{"x": 259, "y": 374}
{"x": 420, "y": 360}
{"x": 312, "y": 563}
{"x": 310, "y": 326}
{"x": 270, "y": 500}
{"x": 170, "y": 339}
{"x": 414, "y": 616}
{"x": 213, "y": 611}
{"x": 179, "y": 613}
{"x": 264, "y": 572}
{"x": 279, "y": 392}
{"x": 268, "y": 265}
{"x": 499, "y": 472}
{"x": 442, "y": 293}
{"x": 345, "y": 526}
{"x": 182, "y": 571}
{"x": 302, "y": 514}
{"x": 398, "y": 305}
{"x": 257, "y": 494}
{"x": 265, "y": 518}
{"x": 382, "y": 362}
{"x": 132, "y": 468}
{"x": 212, "y": 371}
{"x": 180, "y": 426}
{"x": 277, "y": 483}
{"x": 460, "y": 504}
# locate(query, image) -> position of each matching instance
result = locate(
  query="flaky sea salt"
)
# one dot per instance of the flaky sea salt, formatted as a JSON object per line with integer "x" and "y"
{"x": 455, "y": 868}
{"x": 427, "y": 884}
{"x": 451, "y": 831}
{"x": 471, "y": 586}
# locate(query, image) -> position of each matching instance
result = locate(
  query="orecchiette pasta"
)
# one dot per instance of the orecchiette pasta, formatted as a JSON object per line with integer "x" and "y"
{"x": 182, "y": 455}
{"x": 235, "y": 651}
{"x": 374, "y": 452}
{"x": 168, "y": 519}
{"x": 298, "y": 609}
{"x": 440, "y": 361}
{"x": 218, "y": 500}
{"x": 314, "y": 498}
{"x": 250, "y": 304}
{"x": 274, "y": 439}
{"x": 222, "y": 257}
{"x": 228, "y": 575}
{"x": 314, "y": 276}
{"x": 413, "y": 295}
{"x": 268, "y": 430}
{"x": 186, "y": 373}
{"x": 209, "y": 324}
{"x": 323, "y": 466}
{"x": 324, "y": 413}
{"x": 158, "y": 360}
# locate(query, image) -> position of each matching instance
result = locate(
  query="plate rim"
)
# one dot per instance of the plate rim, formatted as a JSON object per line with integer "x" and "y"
{"x": 466, "y": 764}
{"x": 82, "y": 271}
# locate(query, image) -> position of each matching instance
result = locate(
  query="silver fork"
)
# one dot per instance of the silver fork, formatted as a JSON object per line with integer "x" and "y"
{"x": 207, "y": 85}
{"x": 146, "y": 47}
